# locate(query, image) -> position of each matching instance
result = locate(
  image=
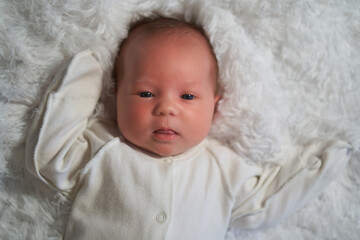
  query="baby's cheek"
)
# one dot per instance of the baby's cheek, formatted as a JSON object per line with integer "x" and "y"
{"x": 200, "y": 121}
{"x": 138, "y": 118}
{"x": 137, "y": 112}
{"x": 126, "y": 115}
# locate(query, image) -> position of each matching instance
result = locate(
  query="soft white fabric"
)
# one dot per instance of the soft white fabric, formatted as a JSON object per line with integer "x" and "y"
{"x": 289, "y": 69}
{"x": 122, "y": 192}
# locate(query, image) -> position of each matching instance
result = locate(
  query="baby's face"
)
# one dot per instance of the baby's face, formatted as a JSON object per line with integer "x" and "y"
{"x": 166, "y": 94}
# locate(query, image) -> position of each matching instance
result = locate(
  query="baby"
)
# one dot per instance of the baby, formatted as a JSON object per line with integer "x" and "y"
{"x": 160, "y": 176}
{"x": 166, "y": 75}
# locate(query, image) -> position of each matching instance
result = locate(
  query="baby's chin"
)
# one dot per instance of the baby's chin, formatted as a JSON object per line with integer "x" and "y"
{"x": 166, "y": 149}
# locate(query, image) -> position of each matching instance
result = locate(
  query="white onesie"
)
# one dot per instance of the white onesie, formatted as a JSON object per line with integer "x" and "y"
{"x": 122, "y": 192}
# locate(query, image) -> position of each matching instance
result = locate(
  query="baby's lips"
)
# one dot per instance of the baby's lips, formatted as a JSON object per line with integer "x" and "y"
{"x": 165, "y": 132}
{"x": 165, "y": 135}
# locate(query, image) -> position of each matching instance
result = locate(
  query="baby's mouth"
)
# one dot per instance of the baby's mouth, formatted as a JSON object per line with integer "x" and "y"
{"x": 165, "y": 131}
{"x": 165, "y": 134}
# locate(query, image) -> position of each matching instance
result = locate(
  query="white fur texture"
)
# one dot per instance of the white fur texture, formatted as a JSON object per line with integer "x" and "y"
{"x": 289, "y": 72}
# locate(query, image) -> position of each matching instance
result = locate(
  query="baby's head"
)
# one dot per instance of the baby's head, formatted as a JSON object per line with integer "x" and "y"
{"x": 166, "y": 93}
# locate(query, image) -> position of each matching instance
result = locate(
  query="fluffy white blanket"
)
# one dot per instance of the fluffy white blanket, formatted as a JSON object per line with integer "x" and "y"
{"x": 289, "y": 70}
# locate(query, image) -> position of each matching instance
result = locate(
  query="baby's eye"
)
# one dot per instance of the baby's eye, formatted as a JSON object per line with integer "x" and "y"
{"x": 188, "y": 97}
{"x": 146, "y": 94}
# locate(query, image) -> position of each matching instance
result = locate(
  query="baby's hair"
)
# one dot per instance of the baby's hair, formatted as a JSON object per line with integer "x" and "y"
{"x": 163, "y": 25}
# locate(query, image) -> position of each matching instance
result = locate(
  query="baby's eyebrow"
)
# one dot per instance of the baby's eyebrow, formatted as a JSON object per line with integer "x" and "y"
{"x": 187, "y": 83}
{"x": 192, "y": 83}
{"x": 143, "y": 80}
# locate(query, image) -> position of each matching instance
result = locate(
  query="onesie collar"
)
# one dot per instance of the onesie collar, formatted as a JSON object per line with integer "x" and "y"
{"x": 188, "y": 155}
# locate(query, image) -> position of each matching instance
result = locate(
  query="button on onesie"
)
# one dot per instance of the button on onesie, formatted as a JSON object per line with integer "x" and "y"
{"x": 161, "y": 218}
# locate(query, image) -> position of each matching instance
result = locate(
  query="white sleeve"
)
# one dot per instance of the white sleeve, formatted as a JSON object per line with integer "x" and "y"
{"x": 57, "y": 144}
{"x": 280, "y": 191}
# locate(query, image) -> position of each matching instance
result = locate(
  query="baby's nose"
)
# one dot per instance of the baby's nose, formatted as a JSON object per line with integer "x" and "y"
{"x": 166, "y": 107}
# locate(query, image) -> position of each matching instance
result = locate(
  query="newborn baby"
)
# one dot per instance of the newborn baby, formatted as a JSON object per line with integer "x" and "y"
{"x": 167, "y": 89}
{"x": 155, "y": 174}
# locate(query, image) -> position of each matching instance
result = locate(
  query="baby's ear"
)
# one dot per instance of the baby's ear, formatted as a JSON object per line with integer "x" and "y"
{"x": 217, "y": 98}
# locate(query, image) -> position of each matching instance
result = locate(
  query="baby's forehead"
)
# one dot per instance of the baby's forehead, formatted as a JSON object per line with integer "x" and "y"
{"x": 184, "y": 38}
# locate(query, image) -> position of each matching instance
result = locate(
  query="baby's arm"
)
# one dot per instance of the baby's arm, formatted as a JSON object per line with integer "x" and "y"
{"x": 57, "y": 144}
{"x": 279, "y": 192}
